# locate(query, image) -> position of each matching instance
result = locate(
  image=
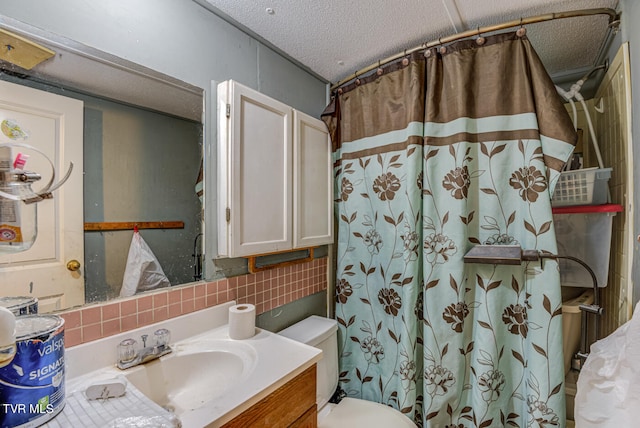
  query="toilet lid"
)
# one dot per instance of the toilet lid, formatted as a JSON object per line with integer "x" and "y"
{"x": 355, "y": 413}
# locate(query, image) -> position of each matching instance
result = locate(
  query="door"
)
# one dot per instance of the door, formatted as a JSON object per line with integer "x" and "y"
{"x": 54, "y": 125}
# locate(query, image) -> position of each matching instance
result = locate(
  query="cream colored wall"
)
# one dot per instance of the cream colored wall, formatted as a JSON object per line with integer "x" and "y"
{"x": 585, "y": 143}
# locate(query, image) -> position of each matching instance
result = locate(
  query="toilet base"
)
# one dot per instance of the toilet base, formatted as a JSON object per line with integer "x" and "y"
{"x": 357, "y": 413}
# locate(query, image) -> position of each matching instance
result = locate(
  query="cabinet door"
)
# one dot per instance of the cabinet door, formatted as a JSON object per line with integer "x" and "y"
{"x": 259, "y": 173}
{"x": 284, "y": 407}
{"x": 313, "y": 185}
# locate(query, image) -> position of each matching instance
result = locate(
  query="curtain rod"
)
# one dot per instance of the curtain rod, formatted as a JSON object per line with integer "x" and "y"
{"x": 614, "y": 18}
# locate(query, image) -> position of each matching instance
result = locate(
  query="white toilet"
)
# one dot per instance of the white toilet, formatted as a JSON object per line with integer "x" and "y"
{"x": 571, "y": 331}
{"x": 322, "y": 333}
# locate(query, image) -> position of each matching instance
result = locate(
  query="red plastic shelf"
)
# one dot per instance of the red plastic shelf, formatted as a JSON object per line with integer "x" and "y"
{"x": 588, "y": 209}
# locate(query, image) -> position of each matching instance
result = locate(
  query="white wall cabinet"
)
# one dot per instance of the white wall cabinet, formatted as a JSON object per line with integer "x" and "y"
{"x": 312, "y": 182}
{"x": 275, "y": 190}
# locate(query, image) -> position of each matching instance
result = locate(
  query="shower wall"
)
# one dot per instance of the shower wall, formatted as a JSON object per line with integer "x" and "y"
{"x": 611, "y": 114}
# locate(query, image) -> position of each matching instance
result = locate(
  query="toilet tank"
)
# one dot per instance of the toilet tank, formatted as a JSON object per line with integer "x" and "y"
{"x": 322, "y": 333}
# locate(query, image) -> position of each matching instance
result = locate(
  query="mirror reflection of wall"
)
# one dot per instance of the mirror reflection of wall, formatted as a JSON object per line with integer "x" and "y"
{"x": 139, "y": 165}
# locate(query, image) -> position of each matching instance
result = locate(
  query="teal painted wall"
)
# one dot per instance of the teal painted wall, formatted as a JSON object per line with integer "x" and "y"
{"x": 188, "y": 42}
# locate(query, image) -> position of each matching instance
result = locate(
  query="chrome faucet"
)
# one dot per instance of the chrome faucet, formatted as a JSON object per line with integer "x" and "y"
{"x": 129, "y": 356}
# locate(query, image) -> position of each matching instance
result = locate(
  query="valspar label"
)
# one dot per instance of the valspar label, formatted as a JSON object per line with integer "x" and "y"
{"x": 32, "y": 384}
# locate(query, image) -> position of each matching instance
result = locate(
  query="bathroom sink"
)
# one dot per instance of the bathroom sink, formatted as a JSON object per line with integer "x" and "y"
{"x": 194, "y": 374}
{"x": 207, "y": 380}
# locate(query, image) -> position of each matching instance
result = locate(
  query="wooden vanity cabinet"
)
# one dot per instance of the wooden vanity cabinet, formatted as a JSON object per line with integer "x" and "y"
{"x": 275, "y": 181}
{"x": 293, "y": 405}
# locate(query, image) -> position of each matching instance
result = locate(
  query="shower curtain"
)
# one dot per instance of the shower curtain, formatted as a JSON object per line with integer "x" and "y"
{"x": 377, "y": 130}
{"x": 433, "y": 156}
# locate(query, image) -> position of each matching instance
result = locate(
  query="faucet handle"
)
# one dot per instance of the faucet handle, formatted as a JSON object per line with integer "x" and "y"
{"x": 127, "y": 350}
{"x": 144, "y": 340}
{"x": 162, "y": 337}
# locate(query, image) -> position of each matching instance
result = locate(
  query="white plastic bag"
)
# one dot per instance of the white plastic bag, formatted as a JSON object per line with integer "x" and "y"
{"x": 608, "y": 390}
{"x": 143, "y": 271}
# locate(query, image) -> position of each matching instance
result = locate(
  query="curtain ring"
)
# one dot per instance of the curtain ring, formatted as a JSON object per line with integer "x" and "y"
{"x": 480, "y": 40}
{"x": 405, "y": 60}
{"x": 443, "y": 49}
{"x": 357, "y": 78}
{"x": 379, "y": 71}
{"x": 427, "y": 51}
{"x": 521, "y": 31}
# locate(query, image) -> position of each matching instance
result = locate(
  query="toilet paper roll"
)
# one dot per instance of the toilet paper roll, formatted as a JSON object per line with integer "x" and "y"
{"x": 7, "y": 327}
{"x": 242, "y": 321}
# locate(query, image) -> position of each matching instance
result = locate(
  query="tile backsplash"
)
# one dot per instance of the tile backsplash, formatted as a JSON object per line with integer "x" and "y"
{"x": 266, "y": 290}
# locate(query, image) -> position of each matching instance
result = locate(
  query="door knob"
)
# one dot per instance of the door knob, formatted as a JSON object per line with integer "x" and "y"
{"x": 73, "y": 265}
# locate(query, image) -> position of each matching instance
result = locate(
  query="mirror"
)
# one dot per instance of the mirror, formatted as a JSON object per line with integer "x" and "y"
{"x": 139, "y": 166}
{"x": 143, "y": 138}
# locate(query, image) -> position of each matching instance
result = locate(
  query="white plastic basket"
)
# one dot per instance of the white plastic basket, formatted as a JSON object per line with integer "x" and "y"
{"x": 582, "y": 187}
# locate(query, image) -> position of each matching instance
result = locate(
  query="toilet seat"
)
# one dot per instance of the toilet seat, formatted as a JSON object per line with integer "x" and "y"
{"x": 356, "y": 413}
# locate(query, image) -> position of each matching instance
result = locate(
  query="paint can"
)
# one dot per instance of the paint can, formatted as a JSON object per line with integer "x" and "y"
{"x": 20, "y": 305}
{"x": 32, "y": 383}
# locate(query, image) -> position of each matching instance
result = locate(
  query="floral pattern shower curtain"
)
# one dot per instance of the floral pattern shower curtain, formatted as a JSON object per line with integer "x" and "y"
{"x": 449, "y": 344}
{"x": 377, "y": 129}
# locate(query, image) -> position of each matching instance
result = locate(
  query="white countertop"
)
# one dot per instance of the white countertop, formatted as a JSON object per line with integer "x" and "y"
{"x": 278, "y": 360}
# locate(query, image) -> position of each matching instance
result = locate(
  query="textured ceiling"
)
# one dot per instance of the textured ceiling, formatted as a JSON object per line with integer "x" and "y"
{"x": 334, "y": 38}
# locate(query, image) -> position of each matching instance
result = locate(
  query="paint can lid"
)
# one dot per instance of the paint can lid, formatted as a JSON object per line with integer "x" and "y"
{"x": 11, "y": 302}
{"x": 35, "y": 326}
